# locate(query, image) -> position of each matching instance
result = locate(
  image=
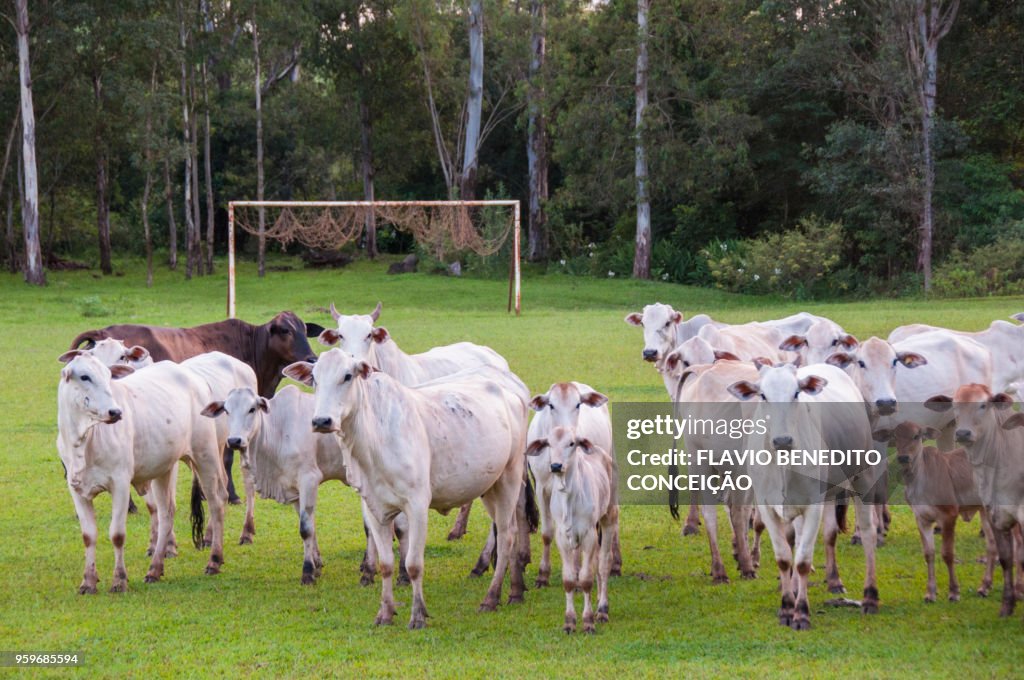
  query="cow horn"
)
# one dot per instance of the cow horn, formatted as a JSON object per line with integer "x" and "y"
{"x": 334, "y": 312}
{"x": 375, "y": 314}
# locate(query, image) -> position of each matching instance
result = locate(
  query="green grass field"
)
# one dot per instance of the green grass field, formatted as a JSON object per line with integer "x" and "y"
{"x": 255, "y": 618}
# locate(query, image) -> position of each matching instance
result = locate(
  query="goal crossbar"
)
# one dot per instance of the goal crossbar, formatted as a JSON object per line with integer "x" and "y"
{"x": 515, "y": 275}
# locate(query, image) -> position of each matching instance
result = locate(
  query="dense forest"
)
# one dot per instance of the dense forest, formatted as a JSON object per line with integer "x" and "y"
{"x": 808, "y": 147}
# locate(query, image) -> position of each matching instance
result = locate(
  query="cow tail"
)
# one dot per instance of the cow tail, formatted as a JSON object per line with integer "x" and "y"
{"x": 198, "y": 516}
{"x": 842, "y": 508}
{"x": 532, "y": 511}
{"x": 494, "y": 553}
{"x": 673, "y": 492}
{"x": 91, "y": 337}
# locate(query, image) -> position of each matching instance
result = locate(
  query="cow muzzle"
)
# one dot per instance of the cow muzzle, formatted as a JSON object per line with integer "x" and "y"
{"x": 650, "y": 355}
{"x": 886, "y": 407}
{"x": 556, "y": 468}
{"x": 323, "y": 424}
{"x": 964, "y": 436}
{"x": 310, "y": 359}
{"x": 785, "y": 442}
{"x": 113, "y": 415}
{"x": 902, "y": 459}
{"x": 236, "y": 443}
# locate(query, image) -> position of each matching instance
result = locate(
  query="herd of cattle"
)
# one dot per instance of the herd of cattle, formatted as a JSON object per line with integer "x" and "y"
{"x": 439, "y": 429}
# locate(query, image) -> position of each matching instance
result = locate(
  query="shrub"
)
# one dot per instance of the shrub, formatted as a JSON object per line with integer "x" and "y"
{"x": 995, "y": 269}
{"x": 793, "y": 263}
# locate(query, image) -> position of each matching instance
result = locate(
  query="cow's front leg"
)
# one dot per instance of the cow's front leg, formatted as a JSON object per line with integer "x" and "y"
{"x": 718, "y": 574}
{"x": 380, "y": 533}
{"x": 692, "y": 525}
{"x": 803, "y": 554}
{"x": 87, "y": 521}
{"x": 416, "y": 533}
{"x": 306, "y": 508}
{"x": 869, "y": 537}
{"x": 249, "y": 528}
{"x": 831, "y": 522}
{"x": 119, "y": 493}
{"x": 162, "y": 491}
{"x": 1004, "y": 546}
{"x": 588, "y": 564}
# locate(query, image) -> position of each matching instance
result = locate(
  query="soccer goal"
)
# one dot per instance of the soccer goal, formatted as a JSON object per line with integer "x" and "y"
{"x": 442, "y": 227}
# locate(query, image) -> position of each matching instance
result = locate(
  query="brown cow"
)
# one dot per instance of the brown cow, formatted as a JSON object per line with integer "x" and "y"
{"x": 267, "y": 349}
{"x": 939, "y": 488}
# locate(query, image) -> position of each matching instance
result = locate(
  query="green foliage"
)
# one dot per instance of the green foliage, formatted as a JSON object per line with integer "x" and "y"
{"x": 995, "y": 269}
{"x": 92, "y": 306}
{"x": 793, "y": 263}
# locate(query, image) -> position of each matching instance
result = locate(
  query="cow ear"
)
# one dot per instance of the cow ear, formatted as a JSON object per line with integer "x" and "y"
{"x": 379, "y": 334}
{"x": 137, "y": 353}
{"x": 536, "y": 446}
{"x": 722, "y": 355}
{"x": 939, "y": 403}
{"x": 313, "y": 329}
{"x": 672, "y": 361}
{"x": 1016, "y": 420}
{"x": 911, "y": 359}
{"x": 364, "y": 369}
{"x": 539, "y": 402}
{"x": 118, "y": 371}
{"x": 793, "y": 343}
{"x": 213, "y": 409}
{"x": 585, "y": 444}
{"x": 264, "y": 405}
{"x": 849, "y": 342}
{"x": 69, "y": 355}
{"x": 813, "y": 384}
{"x": 840, "y": 360}
{"x": 594, "y": 399}
{"x": 1002, "y": 401}
{"x": 762, "y": 362}
{"x": 677, "y": 317}
{"x": 329, "y": 336}
{"x": 882, "y": 435}
{"x": 744, "y": 390}
{"x": 300, "y": 371}
{"x": 635, "y": 319}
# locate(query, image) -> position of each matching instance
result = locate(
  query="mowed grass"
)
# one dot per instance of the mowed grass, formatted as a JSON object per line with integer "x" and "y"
{"x": 255, "y": 618}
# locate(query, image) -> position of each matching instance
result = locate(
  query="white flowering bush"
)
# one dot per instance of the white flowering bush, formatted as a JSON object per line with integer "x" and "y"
{"x": 793, "y": 263}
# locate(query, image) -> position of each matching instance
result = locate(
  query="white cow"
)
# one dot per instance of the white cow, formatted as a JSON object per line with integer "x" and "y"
{"x": 435, "y": 446}
{"x": 822, "y": 339}
{"x": 224, "y": 373}
{"x": 288, "y": 461}
{"x": 747, "y": 341}
{"x": 794, "y": 324}
{"x": 112, "y": 351}
{"x": 572, "y": 405}
{"x": 664, "y": 329}
{"x": 1002, "y": 339}
{"x": 114, "y": 434}
{"x": 357, "y": 335}
{"x": 791, "y": 498}
{"x": 581, "y": 490}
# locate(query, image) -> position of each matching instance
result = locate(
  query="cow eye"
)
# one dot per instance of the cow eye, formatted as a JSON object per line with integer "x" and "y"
{"x": 368, "y": 335}
{"x": 348, "y": 376}
{"x": 85, "y": 378}
{"x": 860, "y": 362}
{"x": 577, "y": 407}
{"x": 835, "y": 342}
{"x": 796, "y": 395}
{"x": 686, "y": 364}
{"x": 667, "y": 324}
{"x": 551, "y": 406}
{"x": 895, "y": 361}
{"x": 764, "y": 398}
{"x": 252, "y": 410}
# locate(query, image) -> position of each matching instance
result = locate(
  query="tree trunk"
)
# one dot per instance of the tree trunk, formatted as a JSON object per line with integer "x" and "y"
{"x": 102, "y": 180}
{"x": 474, "y": 100}
{"x": 186, "y": 127}
{"x": 537, "y": 142}
{"x": 261, "y": 256}
{"x": 366, "y": 141}
{"x": 208, "y": 168}
{"x": 172, "y": 228}
{"x": 642, "y": 256}
{"x": 34, "y": 273}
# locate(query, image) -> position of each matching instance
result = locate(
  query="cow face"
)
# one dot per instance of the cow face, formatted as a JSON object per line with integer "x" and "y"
{"x": 111, "y": 351}
{"x": 85, "y": 386}
{"x": 873, "y": 368}
{"x": 286, "y": 338}
{"x": 908, "y": 438}
{"x": 334, "y": 378}
{"x": 563, "y": 402}
{"x": 782, "y": 388}
{"x": 694, "y": 352}
{"x": 563, "y": 447}
{"x": 242, "y": 409}
{"x": 659, "y": 323}
{"x": 975, "y": 409}
{"x": 823, "y": 339}
{"x": 355, "y": 333}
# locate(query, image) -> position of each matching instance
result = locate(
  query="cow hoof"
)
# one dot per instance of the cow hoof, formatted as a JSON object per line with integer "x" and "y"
{"x": 602, "y": 617}
{"x": 954, "y": 597}
{"x": 720, "y": 579}
{"x": 1006, "y": 609}
{"x": 308, "y": 580}
{"x": 616, "y": 571}
{"x": 212, "y": 569}
{"x": 868, "y": 607}
{"x": 235, "y": 500}
{"x": 929, "y": 598}
{"x": 749, "y": 575}
{"x": 488, "y": 607}
{"x": 384, "y": 619}
{"x": 569, "y": 628}
{"x": 983, "y": 591}
{"x": 690, "y": 530}
{"x": 589, "y": 629}
{"x": 119, "y": 587}
{"x": 417, "y": 624}
{"x": 879, "y": 541}
{"x": 366, "y": 580}
{"x": 151, "y": 578}
{"x": 402, "y": 579}
{"x": 855, "y": 540}
{"x": 477, "y": 572}
{"x": 837, "y": 589}
{"x": 785, "y": 619}
{"x": 172, "y": 551}
{"x": 246, "y": 539}
{"x": 801, "y": 624}
{"x": 541, "y": 582}
{"x": 515, "y": 599}
{"x": 86, "y": 589}
{"x": 454, "y": 535}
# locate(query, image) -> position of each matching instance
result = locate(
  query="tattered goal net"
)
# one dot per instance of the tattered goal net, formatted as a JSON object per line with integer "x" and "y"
{"x": 445, "y": 229}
